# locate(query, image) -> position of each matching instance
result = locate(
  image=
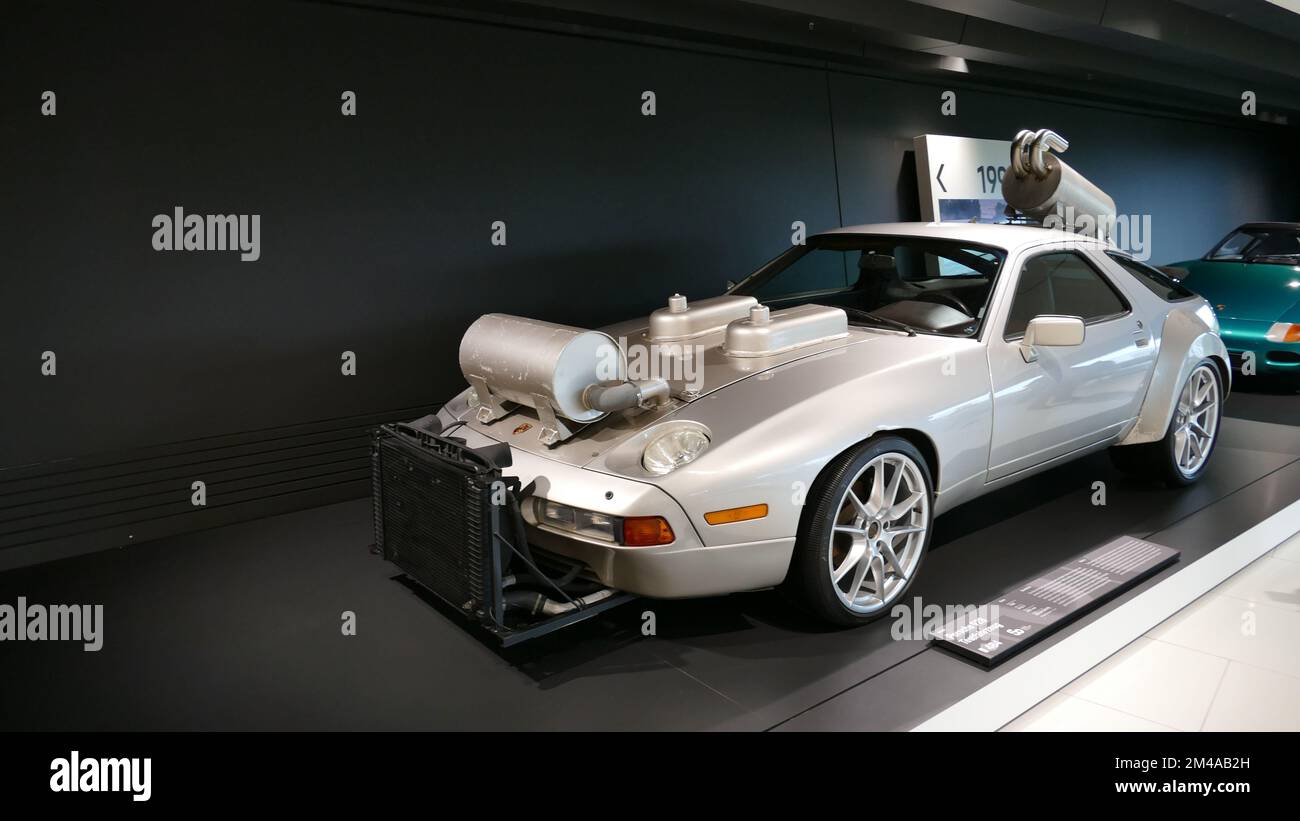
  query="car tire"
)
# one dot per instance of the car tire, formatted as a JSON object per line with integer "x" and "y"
{"x": 835, "y": 526}
{"x": 1167, "y": 459}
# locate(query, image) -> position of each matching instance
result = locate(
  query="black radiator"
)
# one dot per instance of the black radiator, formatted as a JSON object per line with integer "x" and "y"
{"x": 434, "y": 517}
{"x": 448, "y": 518}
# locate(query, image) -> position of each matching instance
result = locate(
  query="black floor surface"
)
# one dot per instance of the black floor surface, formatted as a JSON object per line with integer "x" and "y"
{"x": 1266, "y": 399}
{"x": 239, "y": 628}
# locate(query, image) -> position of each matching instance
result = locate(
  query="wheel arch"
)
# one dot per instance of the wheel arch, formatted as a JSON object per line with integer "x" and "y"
{"x": 916, "y": 438}
{"x": 1186, "y": 340}
{"x": 921, "y": 442}
{"x": 1225, "y": 372}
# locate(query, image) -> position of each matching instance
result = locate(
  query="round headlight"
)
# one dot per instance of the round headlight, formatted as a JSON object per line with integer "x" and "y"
{"x": 671, "y": 450}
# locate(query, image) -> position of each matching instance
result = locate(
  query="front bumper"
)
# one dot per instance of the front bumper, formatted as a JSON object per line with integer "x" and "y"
{"x": 684, "y": 568}
{"x": 1247, "y": 338}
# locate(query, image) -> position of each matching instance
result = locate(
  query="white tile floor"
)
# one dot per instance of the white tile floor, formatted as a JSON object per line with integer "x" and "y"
{"x": 1228, "y": 661}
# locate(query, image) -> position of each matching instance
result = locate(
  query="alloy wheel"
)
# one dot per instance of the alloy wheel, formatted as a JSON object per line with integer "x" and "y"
{"x": 1196, "y": 420}
{"x": 879, "y": 532}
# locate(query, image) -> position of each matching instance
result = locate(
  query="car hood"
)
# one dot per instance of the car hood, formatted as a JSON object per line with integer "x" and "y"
{"x": 718, "y": 371}
{"x": 1249, "y": 291}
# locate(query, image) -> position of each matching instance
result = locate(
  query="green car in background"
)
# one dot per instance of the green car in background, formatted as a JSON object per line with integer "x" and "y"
{"x": 1252, "y": 278}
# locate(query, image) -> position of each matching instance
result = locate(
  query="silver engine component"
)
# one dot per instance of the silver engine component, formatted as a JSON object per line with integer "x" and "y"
{"x": 1040, "y": 184}
{"x": 765, "y": 333}
{"x": 539, "y": 364}
{"x": 681, "y": 320}
{"x": 559, "y": 371}
{"x": 643, "y": 393}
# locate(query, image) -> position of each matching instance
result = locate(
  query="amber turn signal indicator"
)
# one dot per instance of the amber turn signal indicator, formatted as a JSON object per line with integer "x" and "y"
{"x": 644, "y": 531}
{"x": 736, "y": 514}
{"x": 1283, "y": 332}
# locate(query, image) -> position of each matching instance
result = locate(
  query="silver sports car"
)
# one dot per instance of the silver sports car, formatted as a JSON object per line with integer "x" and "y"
{"x": 805, "y": 428}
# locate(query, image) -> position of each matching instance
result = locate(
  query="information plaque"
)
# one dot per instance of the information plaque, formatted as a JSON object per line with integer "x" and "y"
{"x": 992, "y": 633}
{"x": 959, "y": 179}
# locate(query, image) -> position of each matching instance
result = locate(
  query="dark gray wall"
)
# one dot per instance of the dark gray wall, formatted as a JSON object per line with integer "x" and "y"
{"x": 375, "y": 229}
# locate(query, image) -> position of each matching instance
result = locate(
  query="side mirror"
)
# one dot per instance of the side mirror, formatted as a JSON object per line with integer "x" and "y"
{"x": 1052, "y": 332}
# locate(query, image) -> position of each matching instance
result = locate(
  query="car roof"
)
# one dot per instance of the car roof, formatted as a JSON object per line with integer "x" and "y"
{"x": 1000, "y": 235}
{"x": 1291, "y": 225}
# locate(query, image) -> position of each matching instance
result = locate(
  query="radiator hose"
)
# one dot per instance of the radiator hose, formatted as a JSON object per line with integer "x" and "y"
{"x": 538, "y": 604}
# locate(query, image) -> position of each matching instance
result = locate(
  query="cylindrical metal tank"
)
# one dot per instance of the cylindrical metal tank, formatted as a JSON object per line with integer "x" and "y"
{"x": 1039, "y": 184}
{"x": 521, "y": 358}
{"x": 1062, "y": 186}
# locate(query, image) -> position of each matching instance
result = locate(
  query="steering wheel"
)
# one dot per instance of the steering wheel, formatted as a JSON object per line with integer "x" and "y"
{"x": 945, "y": 298}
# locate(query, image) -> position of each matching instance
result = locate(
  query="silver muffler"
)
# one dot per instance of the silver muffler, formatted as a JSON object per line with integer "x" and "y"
{"x": 1041, "y": 185}
{"x": 563, "y": 373}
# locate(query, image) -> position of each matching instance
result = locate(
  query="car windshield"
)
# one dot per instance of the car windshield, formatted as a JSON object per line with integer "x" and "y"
{"x": 1259, "y": 244}
{"x": 915, "y": 284}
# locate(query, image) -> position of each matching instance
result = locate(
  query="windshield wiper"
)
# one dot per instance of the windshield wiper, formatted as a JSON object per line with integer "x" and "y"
{"x": 881, "y": 320}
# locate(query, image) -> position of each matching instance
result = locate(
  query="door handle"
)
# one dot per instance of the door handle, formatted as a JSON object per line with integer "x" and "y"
{"x": 1140, "y": 337}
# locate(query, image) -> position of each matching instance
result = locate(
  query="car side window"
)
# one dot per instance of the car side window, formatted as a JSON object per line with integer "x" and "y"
{"x": 1064, "y": 283}
{"x": 1156, "y": 281}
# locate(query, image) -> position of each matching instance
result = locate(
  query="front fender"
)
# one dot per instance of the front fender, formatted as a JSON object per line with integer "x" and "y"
{"x": 1188, "y": 337}
{"x": 774, "y": 433}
